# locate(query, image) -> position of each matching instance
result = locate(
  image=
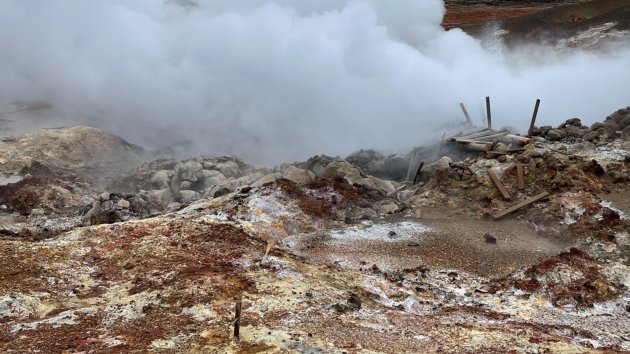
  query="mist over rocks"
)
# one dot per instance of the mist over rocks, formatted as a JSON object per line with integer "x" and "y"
{"x": 281, "y": 80}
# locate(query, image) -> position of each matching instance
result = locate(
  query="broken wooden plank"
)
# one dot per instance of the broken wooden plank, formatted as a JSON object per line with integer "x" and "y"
{"x": 497, "y": 182}
{"x": 520, "y": 205}
{"x": 521, "y": 176}
{"x": 465, "y": 113}
{"x": 461, "y": 135}
{"x": 479, "y": 134}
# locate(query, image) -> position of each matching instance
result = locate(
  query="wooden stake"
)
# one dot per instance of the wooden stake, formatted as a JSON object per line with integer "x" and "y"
{"x": 498, "y": 184}
{"x": 465, "y": 113}
{"x": 531, "y": 125}
{"x": 237, "y": 318}
{"x": 521, "y": 176}
{"x": 488, "y": 112}
{"x": 520, "y": 205}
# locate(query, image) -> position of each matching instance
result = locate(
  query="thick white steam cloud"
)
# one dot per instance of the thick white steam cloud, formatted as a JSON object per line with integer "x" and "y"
{"x": 281, "y": 80}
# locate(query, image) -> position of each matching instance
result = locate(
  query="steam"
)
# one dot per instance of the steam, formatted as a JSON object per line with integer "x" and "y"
{"x": 282, "y": 80}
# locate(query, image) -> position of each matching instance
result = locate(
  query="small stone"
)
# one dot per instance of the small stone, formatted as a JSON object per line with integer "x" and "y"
{"x": 392, "y": 234}
{"x": 103, "y": 196}
{"x": 502, "y": 158}
{"x": 490, "y": 239}
{"x": 3, "y": 207}
{"x": 354, "y": 301}
{"x": 122, "y": 204}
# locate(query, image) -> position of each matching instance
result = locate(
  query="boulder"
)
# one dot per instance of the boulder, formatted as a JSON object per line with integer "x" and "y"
{"x": 576, "y": 122}
{"x": 189, "y": 171}
{"x": 343, "y": 169}
{"x": 161, "y": 179}
{"x": 188, "y": 196}
{"x": 212, "y": 178}
{"x": 298, "y": 175}
{"x": 625, "y": 134}
{"x": 556, "y": 134}
{"x": 383, "y": 186}
{"x": 228, "y": 166}
{"x": 316, "y": 164}
{"x": 625, "y": 122}
{"x": 161, "y": 197}
{"x": 590, "y": 136}
{"x": 597, "y": 125}
{"x": 123, "y": 204}
{"x": 611, "y": 126}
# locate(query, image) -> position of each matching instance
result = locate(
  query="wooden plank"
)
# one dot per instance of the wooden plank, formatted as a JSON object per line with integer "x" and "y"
{"x": 465, "y": 113}
{"x": 462, "y": 135}
{"x": 531, "y": 124}
{"x": 521, "y": 176}
{"x": 520, "y": 205}
{"x": 497, "y": 182}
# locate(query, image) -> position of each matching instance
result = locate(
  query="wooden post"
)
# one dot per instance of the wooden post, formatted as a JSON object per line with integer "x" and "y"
{"x": 488, "y": 112}
{"x": 465, "y": 113}
{"x": 237, "y": 318}
{"x": 497, "y": 182}
{"x": 522, "y": 204}
{"x": 521, "y": 176}
{"x": 531, "y": 125}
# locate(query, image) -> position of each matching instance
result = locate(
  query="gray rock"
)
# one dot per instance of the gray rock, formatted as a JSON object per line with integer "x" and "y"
{"x": 122, "y": 204}
{"x": 228, "y": 166}
{"x": 103, "y": 196}
{"x": 625, "y": 134}
{"x": 625, "y": 122}
{"x": 189, "y": 171}
{"x": 185, "y": 185}
{"x": 590, "y": 136}
{"x": 161, "y": 179}
{"x": 556, "y": 134}
{"x": 213, "y": 178}
{"x": 383, "y": 186}
{"x": 597, "y": 125}
{"x": 298, "y": 175}
{"x": 188, "y": 196}
{"x": 344, "y": 170}
{"x": 576, "y": 122}
{"x": 611, "y": 126}
{"x": 161, "y": 197}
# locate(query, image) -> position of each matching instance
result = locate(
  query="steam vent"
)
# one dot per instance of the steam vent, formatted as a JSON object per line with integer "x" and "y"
{"x": 366, "y": 176}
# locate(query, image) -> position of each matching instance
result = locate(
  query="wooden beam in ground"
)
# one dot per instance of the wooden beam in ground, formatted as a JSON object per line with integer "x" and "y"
{"x": 521, "y": 176}
{"x": 520, "y": 205}
{"x": 488, "y": 112}
{"x": 531, "y": 124}
{"x": 497, "y": 182}
{"x": 465, "y": 113}
{"x": 237, "y": 318}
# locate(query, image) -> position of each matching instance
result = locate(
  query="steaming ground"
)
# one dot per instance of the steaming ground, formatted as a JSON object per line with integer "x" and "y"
{"x": 278, "y": 81}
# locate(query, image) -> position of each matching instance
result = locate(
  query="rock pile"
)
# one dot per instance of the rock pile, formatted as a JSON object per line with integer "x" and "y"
{"x": 616, "y": 125}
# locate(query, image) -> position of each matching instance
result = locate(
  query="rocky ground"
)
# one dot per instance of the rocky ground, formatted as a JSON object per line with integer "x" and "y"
{"x": 107, "y": 247}
{"x": 327, "y": 255}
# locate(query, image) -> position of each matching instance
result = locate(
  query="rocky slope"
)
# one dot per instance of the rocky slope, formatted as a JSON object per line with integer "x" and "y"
{"x": 323, "y": 256}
